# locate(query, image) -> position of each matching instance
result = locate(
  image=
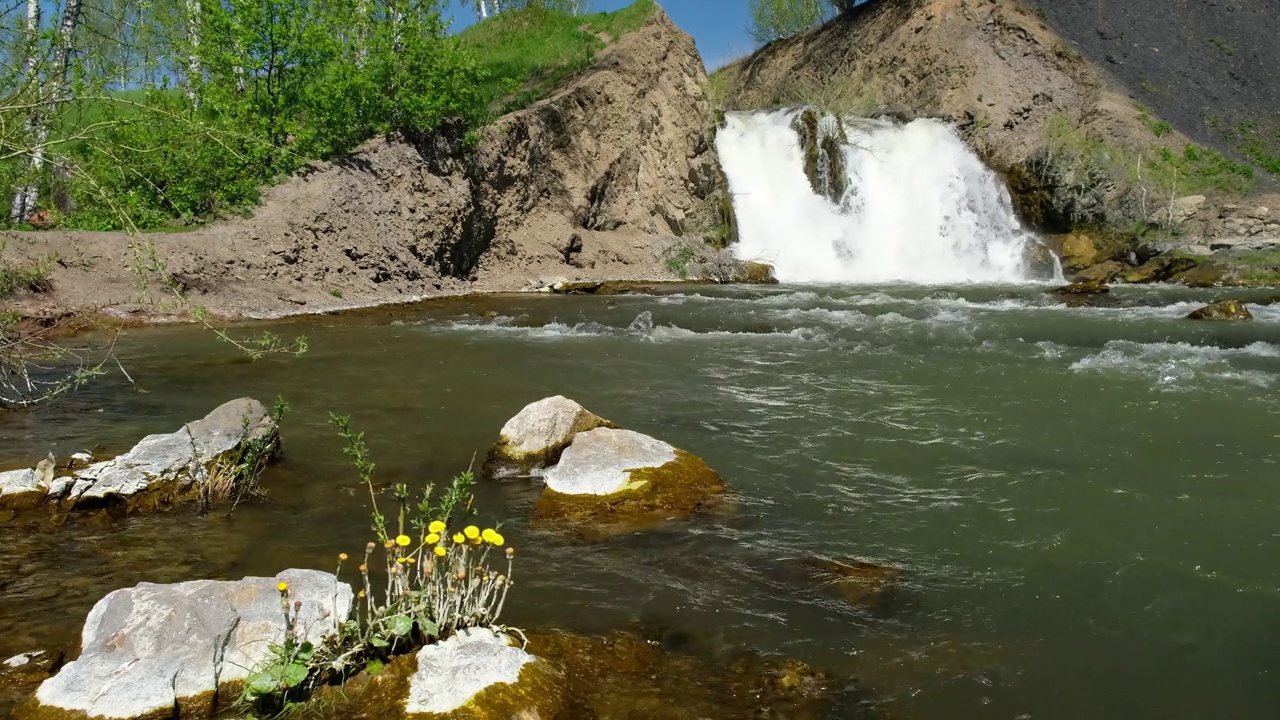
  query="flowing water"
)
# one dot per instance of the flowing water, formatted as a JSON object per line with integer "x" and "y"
{"x": 1084, "y": 501}
{"x": 919, "y": 205}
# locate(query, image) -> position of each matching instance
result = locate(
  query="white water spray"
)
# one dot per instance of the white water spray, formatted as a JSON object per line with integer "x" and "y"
{"x": 919, "y": 206}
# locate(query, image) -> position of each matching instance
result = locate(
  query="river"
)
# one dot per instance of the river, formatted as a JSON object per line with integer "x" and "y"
{"x": 1084, "y": 501}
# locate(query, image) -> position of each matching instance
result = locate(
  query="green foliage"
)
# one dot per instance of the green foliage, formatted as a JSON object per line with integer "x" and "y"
{"x": 1159, "y": 127}
{"x": 677, "y": 259}
{"x": 524, "y": 52}
{"x": 776, "y": 19}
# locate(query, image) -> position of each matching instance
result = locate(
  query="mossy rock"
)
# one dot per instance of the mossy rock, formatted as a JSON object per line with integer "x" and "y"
{"x": 756, "y": 273}
{"x": 1102, "y": 273}
{"x": 1205, "y": 275}
{"x": 610, "y": 481}
{"x": 1230, "y": 309}
{"x": 1091, "y": 287}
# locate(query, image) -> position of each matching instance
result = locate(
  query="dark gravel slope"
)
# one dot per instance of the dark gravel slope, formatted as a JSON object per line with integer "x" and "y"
{"x": 1206, "y": 66}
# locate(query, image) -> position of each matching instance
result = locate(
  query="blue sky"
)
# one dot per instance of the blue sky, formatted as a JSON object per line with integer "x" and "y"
{"x": 718, "y": 26}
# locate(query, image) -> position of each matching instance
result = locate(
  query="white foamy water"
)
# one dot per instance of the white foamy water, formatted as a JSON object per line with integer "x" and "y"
{"x": 920, "y": 207}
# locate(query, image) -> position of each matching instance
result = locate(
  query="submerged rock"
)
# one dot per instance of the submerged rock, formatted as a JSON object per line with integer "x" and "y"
{"x": 535, "y": 437}
{"x": 181, "y": 650}
{"x": 872, "y": 586}
{"x": 158, "y": 470}
{"x": 1222, "y": 310}
{"x": 616, "y": 477}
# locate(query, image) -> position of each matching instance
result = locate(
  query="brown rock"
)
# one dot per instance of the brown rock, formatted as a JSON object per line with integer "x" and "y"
{"x": 756, "y": 273}
{"x": 864, "y": 584}
{"x": 1231, "y": 309}
{"x": 1101, "y": 273}
{"x": 1160, "y": 268}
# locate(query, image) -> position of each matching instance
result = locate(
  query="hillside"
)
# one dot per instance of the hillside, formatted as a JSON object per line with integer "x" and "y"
{"x": 1208, "y": 68}
{"x": 595, "y": 181}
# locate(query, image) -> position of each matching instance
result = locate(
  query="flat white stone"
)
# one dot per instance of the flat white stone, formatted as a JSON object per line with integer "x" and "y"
{"x": 19, "y": 482}
{"x": 451, "y": 672}
{"x": 23, "y": 658}
{"x": 598, "y": 462}
{"x": 146, "y": 646}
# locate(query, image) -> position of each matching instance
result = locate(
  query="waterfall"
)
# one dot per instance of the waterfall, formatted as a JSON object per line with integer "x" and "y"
{"x": 909, "y": 202}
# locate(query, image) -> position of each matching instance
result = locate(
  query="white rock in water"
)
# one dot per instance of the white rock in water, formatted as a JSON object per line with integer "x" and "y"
{"x": 598, "y": 461}
{"x": 149, "y": 646}
{"x": 537, "y": 434}
{"x": 23, "y": 658}
{"x": 20, "y": 487}
{"x": 450, "y": 673}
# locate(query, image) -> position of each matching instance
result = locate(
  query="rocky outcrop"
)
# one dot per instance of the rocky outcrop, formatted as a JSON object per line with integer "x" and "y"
{"x": 591, "y": 183}
{"x": 181, "y": 650}
{"x": 535, "y": 437}
{"x": 616, "y": 479}
{"x": 1222, "y": 310}
{"x": 161, "y": 469}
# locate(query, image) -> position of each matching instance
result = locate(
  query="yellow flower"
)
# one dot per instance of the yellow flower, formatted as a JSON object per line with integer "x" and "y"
{"x": 441, "y": 551}
{"x": 497, "y": 540}
{"x": 342, "y": 557}
{"x": 389, "y": 544}
{"x": 400, "y": 560}
{"x": 364, "y": 568}
{"x": 432, "y": 539}
{"x": 411, "y": 560}
{"x": 436, "y": 526}
{"x": 360, "y": 594}
{"x": 459, "y": 538}
{"x": 488, "y": 534}
{"x": 472, "y": 532}
{"x": 282, "y": 586}
{"x": 403, "y": 540}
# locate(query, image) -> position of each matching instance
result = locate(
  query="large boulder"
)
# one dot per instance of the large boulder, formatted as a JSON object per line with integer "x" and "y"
{"x": 535, "y": 437}
{"x": 610, "y": 478}
{"x": 1160, "y": 268}
{"x": 158, "y": 470}
{"x": 1222, "y": 310}
{"x": 183, "y": 650}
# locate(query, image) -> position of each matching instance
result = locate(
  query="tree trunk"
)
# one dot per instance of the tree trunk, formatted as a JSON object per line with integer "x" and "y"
{"x": 193, "y": 47}
{"x": 482, "y": 10}
{"x": 21, "y": 204}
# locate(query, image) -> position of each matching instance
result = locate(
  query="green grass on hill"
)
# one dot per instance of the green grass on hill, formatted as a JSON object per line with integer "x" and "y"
{"x": 526, "y": 52}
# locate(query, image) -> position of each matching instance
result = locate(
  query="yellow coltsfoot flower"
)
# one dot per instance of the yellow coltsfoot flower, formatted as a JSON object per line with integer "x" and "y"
{"x": 403, "y": 540}
{"x": 282, "y": 586}
{"x": 459, "y": 538}
{"x": 472, "y": 532}
{"x": 498, "y": 540}
{"x": 436, "y": 526}
{"x": 440, "y": 551}
{"x": 487, "y": 534}
{"x": 342, "y": 557}
{"x": 433, "y": 538}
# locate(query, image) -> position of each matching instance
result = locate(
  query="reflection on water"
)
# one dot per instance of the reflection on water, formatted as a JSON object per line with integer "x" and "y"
{"x": 1082, "y": 501}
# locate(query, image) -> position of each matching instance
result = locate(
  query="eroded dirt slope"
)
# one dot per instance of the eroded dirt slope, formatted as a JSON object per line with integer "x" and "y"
{"x": 594, "y": 182}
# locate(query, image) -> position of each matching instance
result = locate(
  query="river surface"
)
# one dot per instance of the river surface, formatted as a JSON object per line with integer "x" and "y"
{"x": 1085, "y": 502}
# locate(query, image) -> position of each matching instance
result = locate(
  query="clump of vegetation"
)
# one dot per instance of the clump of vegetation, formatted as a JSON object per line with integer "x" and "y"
{"x": 234, "y": 476}
{"x": 523, "y": 54}
{"x": 435, "y": 579}
{"x": 19, "y": 278}
{"x": 1159, "y": 128}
